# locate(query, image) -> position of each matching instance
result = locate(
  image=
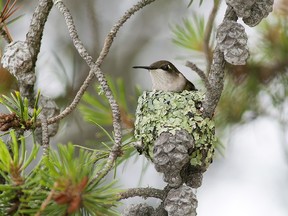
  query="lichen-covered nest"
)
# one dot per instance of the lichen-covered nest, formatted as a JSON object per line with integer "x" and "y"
{"x": 160, "y": 111}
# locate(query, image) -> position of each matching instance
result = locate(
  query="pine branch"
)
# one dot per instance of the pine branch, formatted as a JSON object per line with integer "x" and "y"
{"x": 36, "y": 28}
{"x": 7, "y": 12}
{"x": 216, "y": 74}
{"x": 33, "y": 40}
{"x": 143, "y": 192}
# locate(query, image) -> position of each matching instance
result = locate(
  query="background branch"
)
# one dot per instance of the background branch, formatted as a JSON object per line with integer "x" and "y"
{"x": 208, "y": 31}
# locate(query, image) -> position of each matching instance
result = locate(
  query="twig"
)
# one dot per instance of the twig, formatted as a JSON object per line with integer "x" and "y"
{"x": 73, "y": 33}
{"x": 95, "y": 70}
{"x": 89, "y": 60}
{"x": 110, "y": 37}
{"x": 207, "y": 34}
{"x": 45, "y": 136}
{"x": 83, "y": 53}
{"x": 201, "y": 74}
{"x": 143, "y": 192}
{"x": 46, "y": 201}
{"x": 7, "y": 11}
{"x": 5, "y": 35}
{"x": 100, "y": 76}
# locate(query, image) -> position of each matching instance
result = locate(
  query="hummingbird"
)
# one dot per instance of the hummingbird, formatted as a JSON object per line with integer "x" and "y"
{"x": 166, "y": 77}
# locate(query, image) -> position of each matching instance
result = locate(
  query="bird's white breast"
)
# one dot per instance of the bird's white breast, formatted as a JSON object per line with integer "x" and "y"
{"x": 167, "y": 81}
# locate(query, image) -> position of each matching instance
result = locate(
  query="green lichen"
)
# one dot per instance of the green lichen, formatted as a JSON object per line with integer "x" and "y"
{"x": 160, "y": 111}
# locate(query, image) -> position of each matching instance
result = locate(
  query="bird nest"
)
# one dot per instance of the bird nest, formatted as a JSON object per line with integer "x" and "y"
{"x": 160, "y": 111}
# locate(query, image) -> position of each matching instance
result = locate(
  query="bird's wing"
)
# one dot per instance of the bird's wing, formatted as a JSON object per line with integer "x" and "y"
{"x": 190, "y": 86}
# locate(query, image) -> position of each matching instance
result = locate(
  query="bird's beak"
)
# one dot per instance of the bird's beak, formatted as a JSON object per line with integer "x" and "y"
{"x": 143, "y": 67}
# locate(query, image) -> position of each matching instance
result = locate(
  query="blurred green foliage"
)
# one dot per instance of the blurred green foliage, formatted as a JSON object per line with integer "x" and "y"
{"x": 190, "y": 34}
{"x": 95, "y": 106}
{"x": 95, "y": 109}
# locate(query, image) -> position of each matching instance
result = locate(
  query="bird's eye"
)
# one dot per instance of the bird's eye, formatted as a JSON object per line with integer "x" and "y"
{"x": 165, "y": 67}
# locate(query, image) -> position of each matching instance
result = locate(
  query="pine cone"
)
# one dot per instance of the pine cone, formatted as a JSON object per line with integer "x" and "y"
{"x": 259, "y": 11}
{"x": 17, "y": 58}
{"x": 251, "y": 11}
{"x": 181, "y": 202}
{"x": 141, "y": 209}
{"x": 171, "y": 153}
{"x": 241, "y": 7}
{"x": 232, "y": 41}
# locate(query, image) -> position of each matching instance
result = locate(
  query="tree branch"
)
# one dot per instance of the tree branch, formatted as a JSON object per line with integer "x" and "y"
{"x": 35, "y": 32}
{"x": 83, "y": 52}
{"x": 216, "y": 80}
{"x": 33, "y": 40}
{"x": 143, "y": 192}
{"x": 216, "y": 74}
